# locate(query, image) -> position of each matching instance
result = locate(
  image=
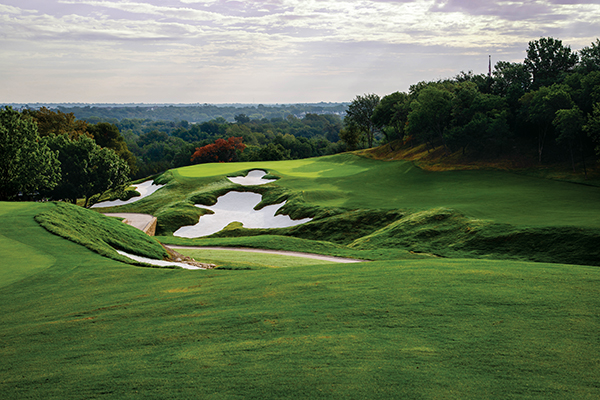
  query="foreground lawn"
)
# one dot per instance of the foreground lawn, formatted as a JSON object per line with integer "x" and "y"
{"x": 90, "y": 327}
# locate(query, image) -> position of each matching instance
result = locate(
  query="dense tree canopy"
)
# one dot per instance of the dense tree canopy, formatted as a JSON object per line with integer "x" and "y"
{"x": 545, "y": 106}
{"x": 87, "y": 169}
{"x": 27, "y": 164}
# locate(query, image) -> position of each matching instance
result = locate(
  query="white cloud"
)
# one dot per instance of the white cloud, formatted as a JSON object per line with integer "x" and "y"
{"x": 322, "y": 49}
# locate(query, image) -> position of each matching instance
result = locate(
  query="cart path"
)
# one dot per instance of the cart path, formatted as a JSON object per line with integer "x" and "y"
{"x": 264, "y": 251}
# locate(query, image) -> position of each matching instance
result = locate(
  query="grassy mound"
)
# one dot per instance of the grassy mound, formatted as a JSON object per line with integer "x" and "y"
{"x": 99, "y": 233}
{"x": 448, "y": 233}
{"x": 370, "y": 204}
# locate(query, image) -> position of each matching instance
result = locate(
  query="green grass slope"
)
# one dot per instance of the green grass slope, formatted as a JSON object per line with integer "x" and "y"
{"x": 355, "y": 182}
{"x": 98, "y": 232}
{"x": 86, "y": 326}
{"x": 367, "y": 205}
{"x": 89, "y": 328}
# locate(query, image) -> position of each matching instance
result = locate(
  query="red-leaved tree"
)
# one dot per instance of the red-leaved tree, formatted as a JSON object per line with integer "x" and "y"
{"x": 220, "y": 151}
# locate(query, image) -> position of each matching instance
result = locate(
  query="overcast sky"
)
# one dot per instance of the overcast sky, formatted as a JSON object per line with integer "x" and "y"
{"x": 272, "y": 51}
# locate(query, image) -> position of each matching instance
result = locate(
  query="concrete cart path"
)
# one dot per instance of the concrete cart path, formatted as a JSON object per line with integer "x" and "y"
{"x": 279, "y": 252}
{"x": 143, "y": 222}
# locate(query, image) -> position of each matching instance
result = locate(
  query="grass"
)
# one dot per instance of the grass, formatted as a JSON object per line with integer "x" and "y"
{"x": 239, "y": 259}
{"x": 370, "y": 204}
{"x": 410, "y": 325}
{"x": 98, "y": 232}
{"x": 351, "y": 182}
{"x": 91, "y": 327}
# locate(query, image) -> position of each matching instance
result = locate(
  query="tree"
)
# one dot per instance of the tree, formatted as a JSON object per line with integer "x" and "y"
{"x": 568, "y": 124}
{"x": 108, "y": 136}
{"x": 27, "y": 165}
{"x": 86, "y": 168}
{"x": 360, "y": 112}
{"x": 241, "y": 119}
{"x": 430, "y": 114}
{"x": 391, "y": 115}
{"x": 590, "y": 58}
{"x": 511, "y": 80}
{"x": 219, "y": 151}
{"x": 51, "y": 123}
{"x": 592, "y": 127}
{"x": 539, "y": 109}
{"x": 547, "y": 59}
{"x": 351, "y": 135}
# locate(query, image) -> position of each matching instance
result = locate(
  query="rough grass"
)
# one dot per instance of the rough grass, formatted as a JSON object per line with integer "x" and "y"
{"x": 448, "y": 233}
{"x": 99, "y": 233}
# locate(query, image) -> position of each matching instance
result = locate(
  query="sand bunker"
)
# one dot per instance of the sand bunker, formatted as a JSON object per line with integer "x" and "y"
{"x": 145, "y": 189}
{"x": 160, "y": 263}
{"x": 238, "y": 207}
{"x": 254, "y": 177}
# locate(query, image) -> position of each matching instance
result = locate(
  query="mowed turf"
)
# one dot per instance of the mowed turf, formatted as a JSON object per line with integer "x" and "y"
{"x": 242, "y": 259}
{"x": 355, "y": 182}
{"x": 91, "y": 327}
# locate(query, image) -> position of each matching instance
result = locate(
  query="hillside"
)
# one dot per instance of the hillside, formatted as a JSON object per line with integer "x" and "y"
{"x": 413, "y": 324}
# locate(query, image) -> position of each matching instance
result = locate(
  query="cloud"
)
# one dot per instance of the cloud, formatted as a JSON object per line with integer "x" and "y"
{"x": 205, "y": 50}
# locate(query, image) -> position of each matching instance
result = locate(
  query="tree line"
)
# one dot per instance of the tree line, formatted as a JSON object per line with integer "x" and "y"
{"x": 264, "y": 139}
{"x": 548, "y": 105}
{"x": 47, "y": 154}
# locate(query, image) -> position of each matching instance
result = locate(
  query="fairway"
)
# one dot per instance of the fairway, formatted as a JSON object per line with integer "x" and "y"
{"x": 354, "y": 182}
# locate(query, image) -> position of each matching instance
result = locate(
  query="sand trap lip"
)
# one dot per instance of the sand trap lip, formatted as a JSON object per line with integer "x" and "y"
{"x": 238, "y": 207}
{"x": 278, "y": 252}
{"x": 160, "y": 263}
{"x": 254, "y": 177}
{"x": 145, "y": 189}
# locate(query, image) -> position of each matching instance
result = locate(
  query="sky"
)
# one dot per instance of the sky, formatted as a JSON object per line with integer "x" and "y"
{"x": 271, "y": 51}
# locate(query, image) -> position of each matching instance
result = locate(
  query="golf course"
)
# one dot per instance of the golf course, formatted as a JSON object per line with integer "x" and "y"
{"x": 481, "y": 283}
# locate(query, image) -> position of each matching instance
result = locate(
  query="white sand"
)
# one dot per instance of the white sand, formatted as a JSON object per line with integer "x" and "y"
{"x": 145, "y": 189}
{"x": 254, "y": 177}
{"x": 238, "y": 207}
{"x": 160, "y": 263}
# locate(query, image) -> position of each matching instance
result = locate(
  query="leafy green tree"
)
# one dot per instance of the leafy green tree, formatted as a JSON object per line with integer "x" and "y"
{"x": 478, "y": 120}
{"x": 351, "y": 135}
{"x": 568, "y": 124}
{"x": 53, "y": 123}
{"x": 86, "y": 168}
{"x": 108, "y": 135}
{"x": 511, "y": 81}
{"x": 241, "y": 119}
{"x": 430, "y": 114}
{"x": 27, "y": 165}
{"x": 547, "y": 59}
{"x": 273, "y": 152}
{"x": 391, "y": 115}
{"x": 539, "y": 109}
{"x": 592, "y": 127}
{"x": 360, "y": 113}
{"x": 590, "y": 58}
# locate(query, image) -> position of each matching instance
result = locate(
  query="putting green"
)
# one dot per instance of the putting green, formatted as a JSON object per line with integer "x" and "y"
{"x": 354, "y": 182}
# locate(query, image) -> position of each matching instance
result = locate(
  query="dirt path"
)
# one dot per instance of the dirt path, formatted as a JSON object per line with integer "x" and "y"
{"x": 280, "y": 252}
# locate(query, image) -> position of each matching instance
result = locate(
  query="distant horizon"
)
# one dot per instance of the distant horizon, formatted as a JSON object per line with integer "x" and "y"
{"x": 109, "y": 104}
